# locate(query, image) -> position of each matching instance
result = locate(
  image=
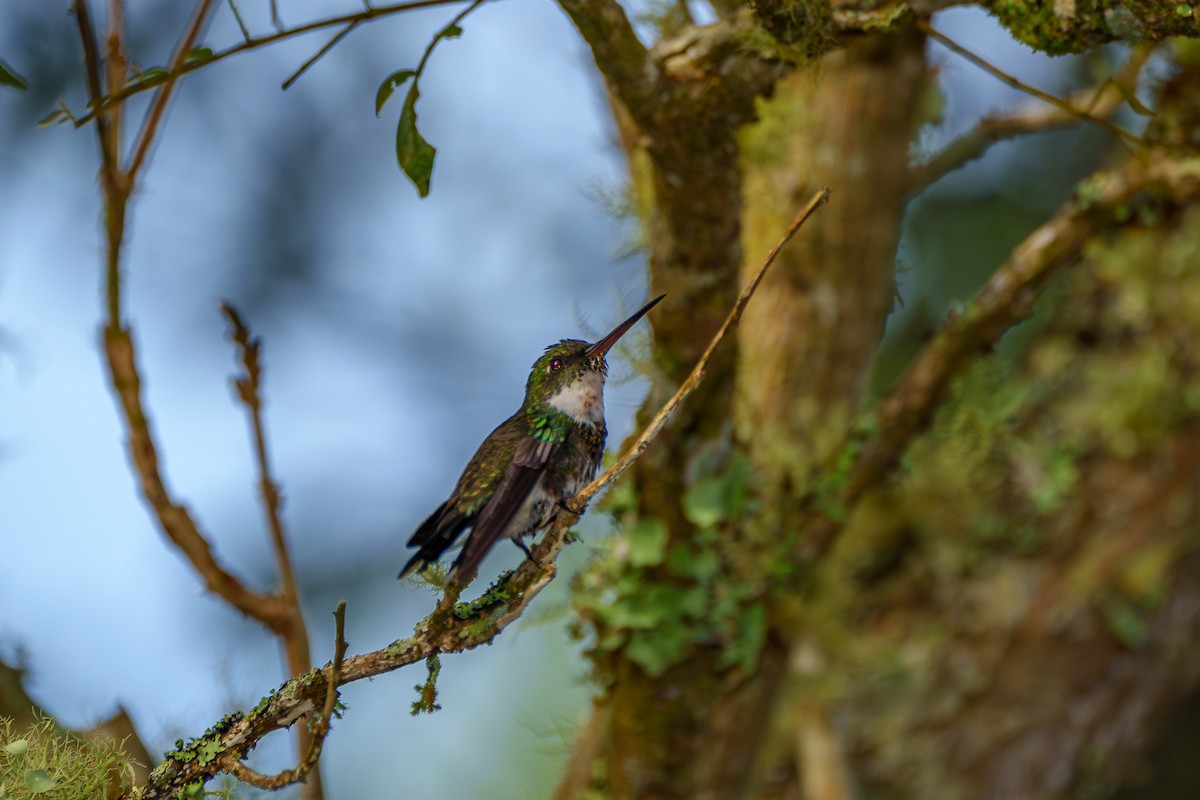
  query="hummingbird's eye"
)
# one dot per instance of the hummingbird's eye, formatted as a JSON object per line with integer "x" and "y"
{"x": 555, "y": 364}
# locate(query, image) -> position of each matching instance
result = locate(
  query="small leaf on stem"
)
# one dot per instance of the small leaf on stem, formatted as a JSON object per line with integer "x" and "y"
{"x": 412, "y": 151}
{"x": 390, "y": 84}
{"x": 10, "y": 78}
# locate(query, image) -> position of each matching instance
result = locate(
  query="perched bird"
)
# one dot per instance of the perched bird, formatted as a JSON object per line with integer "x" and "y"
{"x": 536, "y": 459}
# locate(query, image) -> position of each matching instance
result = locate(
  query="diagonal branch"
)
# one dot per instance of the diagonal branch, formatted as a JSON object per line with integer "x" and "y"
{"x": 580, "y": 501}
{"x": 450, "y": 628}
{"x": 294, "y": 637}
{"x": 337, "y": 37}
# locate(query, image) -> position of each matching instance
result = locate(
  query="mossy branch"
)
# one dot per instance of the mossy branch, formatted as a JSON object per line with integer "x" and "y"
{"x": 1105, "y": 201}
{"x": 319, "y": 730}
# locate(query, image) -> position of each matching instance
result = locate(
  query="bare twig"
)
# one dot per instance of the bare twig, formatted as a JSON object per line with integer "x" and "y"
{"x": 249, "y": 391}
{"x": 1058, "y": 103}
{"x": 1100, "y": 102}
{"x": 337, "y": 37}
{"x": 237, "y": 15}
{"x": 580, "y": 500}
{"x": 116, "y": 94}
{"x": 117, "y": 184}
{"x": 249, "y": 388}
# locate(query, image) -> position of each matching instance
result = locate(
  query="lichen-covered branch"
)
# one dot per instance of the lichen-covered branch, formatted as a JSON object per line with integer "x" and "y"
{"x": 320, "y": 730}
{"x": 465, "y": 627}
{"x": 1008, "y": 297}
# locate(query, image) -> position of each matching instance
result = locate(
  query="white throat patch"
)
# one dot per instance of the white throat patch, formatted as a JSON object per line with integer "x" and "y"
{"x": 583, "y": 400}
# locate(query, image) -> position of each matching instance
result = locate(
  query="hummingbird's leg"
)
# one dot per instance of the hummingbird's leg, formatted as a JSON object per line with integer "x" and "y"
{"x": 525, "y": 549}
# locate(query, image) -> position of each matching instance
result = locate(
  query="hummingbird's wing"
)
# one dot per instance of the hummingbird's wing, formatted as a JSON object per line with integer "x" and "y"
{"x": 436, "y": 534}
{"x": 493, "y": 520}
{"x": 441, "y": 530}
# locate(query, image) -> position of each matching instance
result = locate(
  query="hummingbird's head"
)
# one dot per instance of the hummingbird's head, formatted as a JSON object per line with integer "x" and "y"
{"x": 570, "y": 374}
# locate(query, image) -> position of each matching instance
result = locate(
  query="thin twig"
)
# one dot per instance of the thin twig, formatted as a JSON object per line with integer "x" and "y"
{"x": 117, "y": 94}
{"x": 249, "y": 389}
{"x": 580, "y": 500}
{"x": 420, "y": 70}
{"x": 1115, "y": 130}
{"x": 117, "y": 184}
{"x": 237, "y": 15}
{"x": 159, "y": 104}
{"x": 116, "y": 69}
{"x": 337, "y": 37}
{"x": 1099, "y": 101}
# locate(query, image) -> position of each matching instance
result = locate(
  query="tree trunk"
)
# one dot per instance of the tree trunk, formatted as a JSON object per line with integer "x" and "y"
{"x": 1010, "y": 605}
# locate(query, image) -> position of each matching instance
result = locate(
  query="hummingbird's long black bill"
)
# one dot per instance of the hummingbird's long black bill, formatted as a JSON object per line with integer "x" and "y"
{"x": 601, "y": 347}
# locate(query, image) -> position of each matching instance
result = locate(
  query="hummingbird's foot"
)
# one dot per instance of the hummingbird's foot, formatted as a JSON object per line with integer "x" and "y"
{"x": 525, "y": 549}
{"x": 562, "y": 507}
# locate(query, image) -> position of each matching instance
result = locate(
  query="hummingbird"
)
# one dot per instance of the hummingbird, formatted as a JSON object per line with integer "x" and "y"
{"x": 531, "y": 463}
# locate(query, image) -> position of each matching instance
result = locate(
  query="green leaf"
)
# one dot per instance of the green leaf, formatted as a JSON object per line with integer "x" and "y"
{"x": 150, "y": 76}
{"x": 658, "y": 650}
{"x": 208, "y": 750}
{"x": 750, "y": 635}
{"x": 451, "y": 31}
{"x": 412, "y": 151}
{"x": 10, "y": 78}
{"x": 38, "y": 781}
{"x": 198, "y": 55}
{"x": 647, "y": 542}
{"x": 705, "y": 503}
{"x": 57, "y": 115}
{"x": 1125, "y": 622}
{"x": 17, "y": 748}
{"x": 390, "y": 84}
